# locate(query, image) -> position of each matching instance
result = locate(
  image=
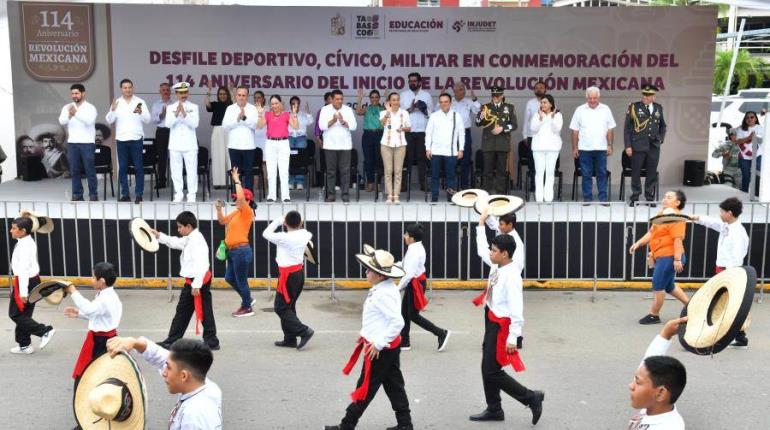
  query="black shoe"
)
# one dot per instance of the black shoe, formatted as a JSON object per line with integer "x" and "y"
{"x": 536, "y": 405}
{"x": 138, "y": 200}
{"x": 605, "y": 204}
{"x": 520, "y": 342}
{"x": 165, "y": 344}
{"x": 740, "y": 343}
{"x": 303, "y": 340}
{"x": 442, "y": 340}
{"x": 650, "y": 319}
{"x": 652, "y": 204}
{"x": 434, "y": 199}
{"x": 401, "y": 427}
{"x": 125, "y": 199}
{"x": 93, "y": 199}
{"x": 270, "y": 200}
{"x": 631, "y": 203}
{"x": 285, "y": 343}
{"x": 345, "y": 199}
{"x": 488, "y": 415}
{"x": 77, "y": 199}
{"x": 337, "y": 427}
{"x": 330, "y": 200}
{"x": 215, "y": 347}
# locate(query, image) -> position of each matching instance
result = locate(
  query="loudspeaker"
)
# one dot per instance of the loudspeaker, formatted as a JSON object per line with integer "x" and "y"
{"x": 32, "y": 168}
{"x": 694, "y": 173}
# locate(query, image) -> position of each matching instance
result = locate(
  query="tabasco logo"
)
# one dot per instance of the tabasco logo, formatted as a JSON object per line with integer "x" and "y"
{"x": 58, "y": 40}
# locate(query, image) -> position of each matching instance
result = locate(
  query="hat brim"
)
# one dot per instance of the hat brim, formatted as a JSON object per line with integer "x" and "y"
{"x": 718, "y": 310}
{"x": 499, "y": 204}
{"x": 669, "y": 219}
{"x": 42, "y": 224}
{"x": 310, "y": 254}
{"x": 366, "y": 261}
{"x": 142, "y": 235}
{"x": 369, "y": 249}
{"x": 121, "y": 367}
{"x": 468, "y": 198}
{"x": 48, "y": 290}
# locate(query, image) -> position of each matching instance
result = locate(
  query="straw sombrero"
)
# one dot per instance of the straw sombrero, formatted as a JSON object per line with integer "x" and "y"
{"x": 142, "y": 234}
{"x": 380, "y": 261}
{"x": 669, "y": 216}
{"x": 718, "y": 311}
{"x": 42, "y": 224}
{"x": 111, "y": 395}
{"x": 499, "y": 204}
{"x": 310, "y": 254}
{"x": 52, "y": 291}
{"x": 467, "y": 198}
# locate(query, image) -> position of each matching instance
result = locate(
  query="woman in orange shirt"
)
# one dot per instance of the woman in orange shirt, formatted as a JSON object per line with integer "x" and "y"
{"x": 239, "y": 253}
{"x": 667, "y": 251}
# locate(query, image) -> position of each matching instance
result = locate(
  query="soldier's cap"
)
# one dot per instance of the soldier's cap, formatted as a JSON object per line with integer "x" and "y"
{"x": 496, "y": 90}
{"x": 649, "y": 90}
{"x": 181, "y": 87}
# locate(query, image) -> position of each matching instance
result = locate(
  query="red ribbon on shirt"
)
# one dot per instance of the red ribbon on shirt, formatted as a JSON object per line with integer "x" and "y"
{"x": 503, "y": 357}
{"x": 198, "y": 301}
{"x": 16, "y": 296}
{"x": 283, "y": 276}
{"x": 360, "y": 393}
{"x": 87, "y": 350}
{"x": 719, "y": 269}
{"x": 420, "y": 301}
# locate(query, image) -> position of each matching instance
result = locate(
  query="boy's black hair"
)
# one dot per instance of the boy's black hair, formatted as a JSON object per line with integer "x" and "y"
{"x": 106, "y": 271}
{"x": 415, "y": 231}
{"x": 668, "y": 372}
{"x": 509, "y": 218}
{"x": 681, "y": 197}
{"x": 187, "y": 218}
{"x": 293, "y": 219}
{"x": 192, "y": 355}
{"x": 505, "y": 243}
{"x": 732, "y": 205}
{"x": 23, "y": 223}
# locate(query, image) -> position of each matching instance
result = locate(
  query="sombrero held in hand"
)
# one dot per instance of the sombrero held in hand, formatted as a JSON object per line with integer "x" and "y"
{"x": 668, "y": 216}
{"x": 499, "y": 204}
{"x": 50, "y": 291}
{"x": 467, "y": 198}
{"x": 42, "y": 224}
{"x": 142, "y": 234}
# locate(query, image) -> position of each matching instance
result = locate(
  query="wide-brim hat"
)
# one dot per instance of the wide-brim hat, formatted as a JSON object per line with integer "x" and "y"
{"x": 669, "y": 218}
{"x": 181, "y": 87}
{"x": 142, "y": 234}
{"x": 50, "y": 291}
{"x": 47, "y": 128}
{"x": 499, "y": 204}
{"x": 42, "y": 224}
{"x": 382, "y": 262}
{"x": 467, "y": 198}
{"x": 94, "y": 404}
{"x": 310, "y": 254}
{"x": 718, "y": 311}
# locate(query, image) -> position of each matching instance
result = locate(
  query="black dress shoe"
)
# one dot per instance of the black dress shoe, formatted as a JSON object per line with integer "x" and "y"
{"x": 401, "y": 427}
{"x": 285, "y": 344}
{"x": 650, "y": 319}
{"x": 125, "y": 199}
{"x": 77, "y": 199}
{"x": 138, "y": 200}
{"x": 93, "y": 198}
{"x": 303, "y": 340}
{"x": 215, "y": 347}
{"x": 536, "y": 405}
{"x": 164, "y": 344}
{"x": 488, "y": 415}
{"x": 330, "y": 200}
{"x": 345, "y": 199}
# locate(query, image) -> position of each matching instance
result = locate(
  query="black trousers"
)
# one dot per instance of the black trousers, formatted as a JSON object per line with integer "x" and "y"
{"x": 530, "y": 164}
{"x": 385, "y": 371}
{"x": 100, "y": 348}
{"x": 161, "y": 149}
{"x": 415, "y": 153}
{"x": 494, "y": 377}
{"x": 494, "y": 171}
{"x": 287, "y": 312}
{"x": 185, "y": 309}
{"x": 337, "y": 159}
{"x": 411, "y": 314}
{"x": 649, "y": 161}
{"x": 25, "y": 325}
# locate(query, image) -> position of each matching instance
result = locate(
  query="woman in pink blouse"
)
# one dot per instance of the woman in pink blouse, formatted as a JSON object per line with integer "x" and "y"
{"x": 277, "y": 149}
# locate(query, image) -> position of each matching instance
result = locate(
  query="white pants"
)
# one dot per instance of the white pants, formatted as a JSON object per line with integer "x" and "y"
{"x": 277, "y": 153}
{"x": 220, "y": 162}
{"x": 545, "y": 165}
{"x": 190, "y": 160}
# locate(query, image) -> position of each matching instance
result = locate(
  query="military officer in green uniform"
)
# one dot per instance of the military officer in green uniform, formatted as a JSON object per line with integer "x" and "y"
{"x": 644, "y": 131}
{"x": 729, "y": 152}
{"x": 498, "y": 120}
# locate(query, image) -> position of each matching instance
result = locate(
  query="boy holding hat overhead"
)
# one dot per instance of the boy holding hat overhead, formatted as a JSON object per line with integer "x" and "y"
{"x": 25, "y": 273}
{"x": 195, "y": 297}
{"x": 184, "y": 367}
{"x": 413, "y": 284}
{"x": 182, "y": 120}
{"x": 733, "y": 243}
{"x": 290, "y": 257}
{"x": 503, "y": 301}
{"x": 379, "y": 341}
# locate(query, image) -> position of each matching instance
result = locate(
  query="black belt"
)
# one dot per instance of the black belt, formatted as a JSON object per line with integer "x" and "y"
{"x": 278, "y": 138}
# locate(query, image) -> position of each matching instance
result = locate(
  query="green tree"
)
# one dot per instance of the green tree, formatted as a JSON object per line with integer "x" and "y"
{"x": 747, "y": 67}
{"x": 723, "y": 8}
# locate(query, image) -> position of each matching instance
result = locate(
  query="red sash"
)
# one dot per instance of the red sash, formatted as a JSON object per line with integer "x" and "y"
{"x": 719, "y": 269}
{"x": 481, "y": 297}
{"x": 420, "y": 301}
{"x": 87, "y": 351}
{"x": 283, "y": 276}
{"x": 16, "y": 296}
{"x": 503, "y": 357}
{"x": 362, "y": 391}
{"x": 198, "y": 301}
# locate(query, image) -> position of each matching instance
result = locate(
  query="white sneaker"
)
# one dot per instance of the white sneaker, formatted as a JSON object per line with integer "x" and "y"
{"x": 47, "y": 338}
{"x": 25, "y": 350}
{"x": 191, "y": 198}
{"x": 178, "y": 198}
{"x": 300, "y": 187}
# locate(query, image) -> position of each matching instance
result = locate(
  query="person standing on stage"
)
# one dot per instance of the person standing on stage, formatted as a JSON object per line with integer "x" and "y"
{"x": 744, "y": 136}
{"x": 419, "y": 104}
{"x": 182, "y": 120}
{"x": 240, "y": 122}
{"x": 413, "y": 284}
{"x": 129, "y": 113}
{"x": 443, "y": 146}
{"x": 395, "y": 123}
{"x": 80, "y": 118}
{"x": 219, "y": 147}
{"x": 25, "y": 269}
{"x": 260, "y": 136}
{"x": 195, "y": 298}
{"x": 532, "y": 107}
{"x": 298, "y": 136}
{"x": 468, "y": 108}
{"x": 379, "y": 341}
{"x": 319, "y": 134}
{"x": 592, "y": 134}
{"x": 239, "y": 253}
{"x": 545, "y": 127}
{"x": 667, "y": 254}
{"x": 337, "y": 121}
{"x": 503, "y": 301}
{"x": 498, "y": 119}
{"x": 290, "y": 257}
{"x": 277, "y": 151}
{"x": 643, "y": 133}
{"x": 733, "y": 243}
{"x": 373, "y": 130}
{"x": 158, "y": 113}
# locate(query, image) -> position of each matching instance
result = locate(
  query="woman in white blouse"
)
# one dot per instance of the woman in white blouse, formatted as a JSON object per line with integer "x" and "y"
{"x": 745, "y": 136}
{"x": 546, "y": 144}
{"x": 395, "y": 123}
{"x": 298, "y": 136}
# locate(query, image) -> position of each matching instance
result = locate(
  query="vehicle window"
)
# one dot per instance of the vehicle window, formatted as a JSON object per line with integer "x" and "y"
{"x": 716, "y": 105}
{"x": 753, "y": 106}
{"x": 754, "y": 94}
